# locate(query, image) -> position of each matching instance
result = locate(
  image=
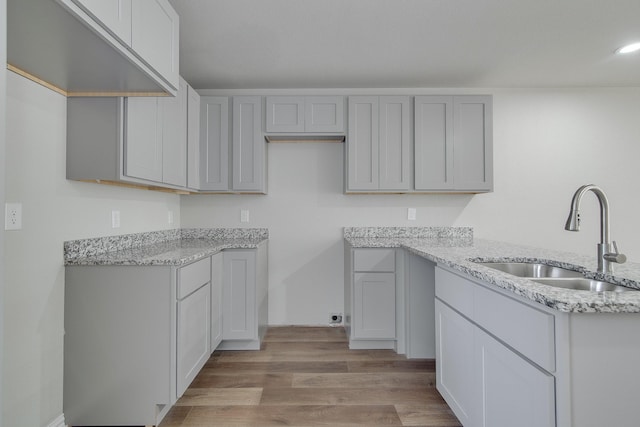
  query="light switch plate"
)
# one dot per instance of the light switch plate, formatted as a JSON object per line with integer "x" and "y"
{"x": 115, "y": 219}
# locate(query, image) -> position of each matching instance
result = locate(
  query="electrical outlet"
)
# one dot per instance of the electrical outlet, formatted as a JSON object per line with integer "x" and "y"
{"x": 115, "y": 219}
{"x": 170, "y": 217}
{"x": 411, "y": 214}
{"x": 13, "y": 216}
{"x": 244, "y": 215}
{"x": 335, "y": 318}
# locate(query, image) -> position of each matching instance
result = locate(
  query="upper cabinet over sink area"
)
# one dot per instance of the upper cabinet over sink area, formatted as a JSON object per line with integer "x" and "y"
{"x": 88, "y": 47}
{"x": 307, "y": 117}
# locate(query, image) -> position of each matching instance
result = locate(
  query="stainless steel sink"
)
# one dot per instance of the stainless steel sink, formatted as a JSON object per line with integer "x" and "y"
{"x": 525, "y": 269}
{"x": 583, "y": 284}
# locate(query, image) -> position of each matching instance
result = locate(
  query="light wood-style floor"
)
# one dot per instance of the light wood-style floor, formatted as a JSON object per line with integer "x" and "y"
{"x": 307, "y": 376}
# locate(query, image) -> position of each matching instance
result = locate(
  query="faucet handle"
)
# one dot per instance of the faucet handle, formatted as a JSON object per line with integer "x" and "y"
{"x": 616, "y": 256}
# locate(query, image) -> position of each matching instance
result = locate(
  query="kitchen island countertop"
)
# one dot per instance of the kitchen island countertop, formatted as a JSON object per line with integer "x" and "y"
{"x": 460, "y": 254}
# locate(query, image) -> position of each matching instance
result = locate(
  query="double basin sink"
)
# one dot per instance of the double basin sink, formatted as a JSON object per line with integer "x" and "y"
{"x": 555, "y": 276}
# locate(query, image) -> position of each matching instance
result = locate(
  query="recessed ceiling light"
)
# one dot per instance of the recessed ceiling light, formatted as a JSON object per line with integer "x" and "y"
{"x": 629, "y": 48}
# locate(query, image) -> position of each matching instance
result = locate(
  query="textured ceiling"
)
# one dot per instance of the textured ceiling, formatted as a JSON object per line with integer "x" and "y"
{"x": 232, "y": 44}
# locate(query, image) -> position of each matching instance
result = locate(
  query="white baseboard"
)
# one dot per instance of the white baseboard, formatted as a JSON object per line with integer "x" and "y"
{"x": 58, "y": 422}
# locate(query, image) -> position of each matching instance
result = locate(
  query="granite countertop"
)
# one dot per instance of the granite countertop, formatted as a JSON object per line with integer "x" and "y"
{"x": 170, "y": 248}
{"x": 457, "y": 250}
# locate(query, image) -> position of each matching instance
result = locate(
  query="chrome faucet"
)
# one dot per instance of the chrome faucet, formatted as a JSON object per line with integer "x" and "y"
{"x": 607, "y": 251}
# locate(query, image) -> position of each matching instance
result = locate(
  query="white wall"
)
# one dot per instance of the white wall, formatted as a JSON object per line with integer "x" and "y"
{"x": 54, "y": 210}
{"x": 3, "y": 92}
{"x": 546, "y": 143}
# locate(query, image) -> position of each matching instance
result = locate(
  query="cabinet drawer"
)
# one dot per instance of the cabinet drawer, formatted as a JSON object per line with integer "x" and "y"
{"x": 192, "y": 276}
{"x": 524, "y": 328}
{"x": 456, "y": 291}
{"x": 383, "y": 260}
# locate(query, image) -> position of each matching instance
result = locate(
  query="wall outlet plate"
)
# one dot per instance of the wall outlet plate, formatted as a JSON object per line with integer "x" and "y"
{"x": 411, "y": 214}
{"x": 13, "y": 216}
{"x": 335, "y": 318}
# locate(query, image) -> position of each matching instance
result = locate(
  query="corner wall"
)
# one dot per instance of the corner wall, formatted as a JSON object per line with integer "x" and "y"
{"x": 54, "y": 210}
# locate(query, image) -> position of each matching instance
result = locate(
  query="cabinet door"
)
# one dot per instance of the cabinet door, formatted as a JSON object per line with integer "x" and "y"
{"x": 285, "y": 114}
{"x": 455, "y": 376}
{"x": 216, "y": 300}
{"x": 193, "y": 333}
{"x": 239, "y": 296}
{"x": 248, "y": 145}
{"x": 143, "y": 139}
{"x": 362, "y": 144}
{"x": 514, "y": 392}
{"x": 394, "y": 143}
{"x": 374, "y": 306}
{"x": 174, "y": 137}
{"x": 155, "y": 37}
{"x": 114, "y": 15}
{"x": 324, "y": 114}
{"x": 473, "y": 143}
{"x": 214, "y": 143}
{"x": 193, "y": 138}
{"x": 433, "y": 143}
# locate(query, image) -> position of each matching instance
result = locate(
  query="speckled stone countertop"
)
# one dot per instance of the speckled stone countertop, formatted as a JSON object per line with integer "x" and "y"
{"x": 457, "y": 251}
{"x": 170, "y": 247}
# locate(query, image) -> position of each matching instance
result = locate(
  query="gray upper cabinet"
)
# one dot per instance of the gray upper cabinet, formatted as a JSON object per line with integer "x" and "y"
{"x": 249, "y": 150}
{"x": 115, "y": 15}
{"x": 305, "y": 114}
{"x": 214, "y": 143}
{"x": 232, "y": 147}
{"x": 285, "y": 113}
{"x": 362, "y": 144}
{"x": 453, "y": 143}
{"x": 143, "y": 139}
{"x": 324, "y": 114}
{"x": 156, "y": 138}
{"x": 108, "y": 46}
{"x": 155, "y": 36}
{"x": 193, "y": 139}
{"x": 136, "y": 140}
{"x": 379, "y": 144}
{"x": 174, "y": 137}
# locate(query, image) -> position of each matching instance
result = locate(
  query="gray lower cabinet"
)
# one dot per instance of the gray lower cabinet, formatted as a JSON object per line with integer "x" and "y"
{"x": 136, "y": 337}
{"x": 232, "y": 146}
{"x": 453, "y": 143}
{"x": 244, "y": 298}
{"x": 216, "y": 300}
{"x": 135, "y": 140}
{"x": 378, "y": 144}
{"x": 495, "y": 356}
{"x": 370, "y": 298}
{"x": 193, "y": 330}
{"x": 455, "y": 367}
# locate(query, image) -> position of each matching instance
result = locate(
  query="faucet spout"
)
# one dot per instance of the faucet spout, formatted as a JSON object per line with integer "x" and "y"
{"x": 606, "y": 257}
{"x": 573, "y": 222}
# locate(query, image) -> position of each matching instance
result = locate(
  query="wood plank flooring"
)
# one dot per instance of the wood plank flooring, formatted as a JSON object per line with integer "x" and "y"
{"x": 306, "y": 377}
